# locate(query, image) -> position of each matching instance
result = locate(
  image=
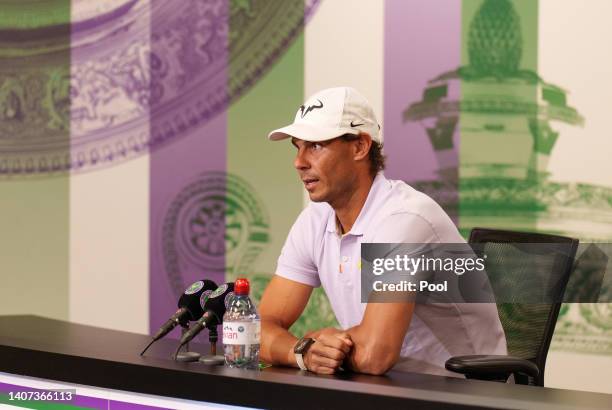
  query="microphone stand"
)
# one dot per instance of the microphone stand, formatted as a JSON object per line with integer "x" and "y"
{"x": 186, "y": 356}
{"x": 213, "y": 359}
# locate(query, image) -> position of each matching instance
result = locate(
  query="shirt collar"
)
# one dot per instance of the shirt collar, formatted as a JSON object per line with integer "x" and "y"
{"x": 360, "y": 223}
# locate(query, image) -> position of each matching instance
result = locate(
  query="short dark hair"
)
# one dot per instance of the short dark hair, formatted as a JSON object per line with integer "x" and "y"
{"x": 376, "y": 156}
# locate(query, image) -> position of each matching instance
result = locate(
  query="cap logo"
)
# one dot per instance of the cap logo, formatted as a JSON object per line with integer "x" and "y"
{"x": 356, "y": 125}
{"x": 305, "y": 110}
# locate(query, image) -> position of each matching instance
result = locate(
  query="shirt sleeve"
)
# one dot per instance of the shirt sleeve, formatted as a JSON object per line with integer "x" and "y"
{"x": 403, "y": 234}
{"x": 295, "y": 261}
{"x": 405, "y": 227}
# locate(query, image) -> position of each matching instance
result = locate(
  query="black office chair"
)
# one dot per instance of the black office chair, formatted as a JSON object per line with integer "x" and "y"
{"x": 514, "y": 268}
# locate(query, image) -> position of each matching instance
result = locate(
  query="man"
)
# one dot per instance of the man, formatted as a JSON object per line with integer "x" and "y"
{"x": 339, "y": 159}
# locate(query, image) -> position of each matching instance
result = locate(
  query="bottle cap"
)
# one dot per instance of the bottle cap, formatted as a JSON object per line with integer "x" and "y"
{"x": 241, "y": 287}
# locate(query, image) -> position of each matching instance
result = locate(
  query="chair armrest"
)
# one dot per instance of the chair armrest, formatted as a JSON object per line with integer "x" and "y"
{"x": 491, "y": 367}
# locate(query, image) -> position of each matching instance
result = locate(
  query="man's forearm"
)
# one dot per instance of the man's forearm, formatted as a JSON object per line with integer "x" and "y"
{"x": 369, "y": 355}
{"x": 277, "y": 344}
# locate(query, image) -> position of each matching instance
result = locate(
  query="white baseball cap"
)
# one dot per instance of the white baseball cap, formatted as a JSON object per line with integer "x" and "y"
{"x": 329, "y": 114}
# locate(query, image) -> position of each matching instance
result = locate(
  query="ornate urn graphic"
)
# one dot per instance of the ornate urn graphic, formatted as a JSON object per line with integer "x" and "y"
{"x": 493, "y": 126}
{"x": 506, "y": 112}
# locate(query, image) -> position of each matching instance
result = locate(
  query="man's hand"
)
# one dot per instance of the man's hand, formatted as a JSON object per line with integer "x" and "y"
{"x": 326, "y": 331}
{"x": 327, "y": 353}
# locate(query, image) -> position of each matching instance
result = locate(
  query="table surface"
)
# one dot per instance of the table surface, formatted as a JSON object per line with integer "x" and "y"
{"x": 63, "y": 351}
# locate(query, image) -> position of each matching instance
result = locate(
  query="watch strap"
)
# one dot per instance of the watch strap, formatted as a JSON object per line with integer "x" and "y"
{"x": 300, "y": 349}
{"x": 300, "y": 361}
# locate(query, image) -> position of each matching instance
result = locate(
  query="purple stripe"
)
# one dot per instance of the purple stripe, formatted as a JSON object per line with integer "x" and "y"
{"x": 187, "y": 183}
{"x": 121, "y": 405}
{"x": 90, "y": 402}
{"x": 422, "y": 41}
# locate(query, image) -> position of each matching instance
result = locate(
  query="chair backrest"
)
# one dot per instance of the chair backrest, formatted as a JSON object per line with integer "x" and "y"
{"x": 543, "y": 271}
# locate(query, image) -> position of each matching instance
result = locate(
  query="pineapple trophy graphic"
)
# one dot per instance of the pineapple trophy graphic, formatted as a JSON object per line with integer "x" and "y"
{"x": 492, "y": 124}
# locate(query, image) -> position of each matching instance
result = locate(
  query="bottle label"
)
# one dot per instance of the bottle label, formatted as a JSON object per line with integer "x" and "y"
{"x": 241, "y": 333}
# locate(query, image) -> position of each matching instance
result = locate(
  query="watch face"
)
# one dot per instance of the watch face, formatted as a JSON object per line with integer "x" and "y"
{"x": 302, "y": 345}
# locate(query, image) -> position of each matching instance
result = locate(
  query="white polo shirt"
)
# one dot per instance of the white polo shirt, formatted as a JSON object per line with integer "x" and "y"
{"x": 316, "y": 254}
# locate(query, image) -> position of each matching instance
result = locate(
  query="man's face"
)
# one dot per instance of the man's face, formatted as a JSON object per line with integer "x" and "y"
{"x": 326, "y": 168}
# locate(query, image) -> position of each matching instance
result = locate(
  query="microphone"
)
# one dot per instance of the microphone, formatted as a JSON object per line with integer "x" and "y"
{"x": 214, "y": 309}
{"x": 190, "y": 306}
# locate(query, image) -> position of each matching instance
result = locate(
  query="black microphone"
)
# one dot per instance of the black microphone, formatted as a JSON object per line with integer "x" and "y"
{"x": 190, "y": 306}
{"x": 214, "y": 309}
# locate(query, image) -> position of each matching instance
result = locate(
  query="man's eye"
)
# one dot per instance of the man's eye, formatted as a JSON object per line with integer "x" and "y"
{"x": 316, "y": 146}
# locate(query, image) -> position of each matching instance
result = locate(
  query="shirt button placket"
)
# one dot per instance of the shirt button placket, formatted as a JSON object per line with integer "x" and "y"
{"x": 344, "y": 258}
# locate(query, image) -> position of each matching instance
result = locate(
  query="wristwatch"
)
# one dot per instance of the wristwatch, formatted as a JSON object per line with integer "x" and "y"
{"x": 300, "y": 349}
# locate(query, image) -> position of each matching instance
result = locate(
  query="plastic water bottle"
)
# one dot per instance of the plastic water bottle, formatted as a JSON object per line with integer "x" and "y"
{"x": 241, "y": 329}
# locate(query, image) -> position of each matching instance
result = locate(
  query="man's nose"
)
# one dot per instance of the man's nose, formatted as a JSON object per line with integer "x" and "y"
{"x": 301, "y": 162}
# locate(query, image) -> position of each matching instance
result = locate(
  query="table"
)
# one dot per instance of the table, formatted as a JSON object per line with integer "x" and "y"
{"x": 67, "y": 352}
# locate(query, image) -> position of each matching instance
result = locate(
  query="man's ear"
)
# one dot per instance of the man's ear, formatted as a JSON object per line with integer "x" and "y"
{"x": 362, "y": 146}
